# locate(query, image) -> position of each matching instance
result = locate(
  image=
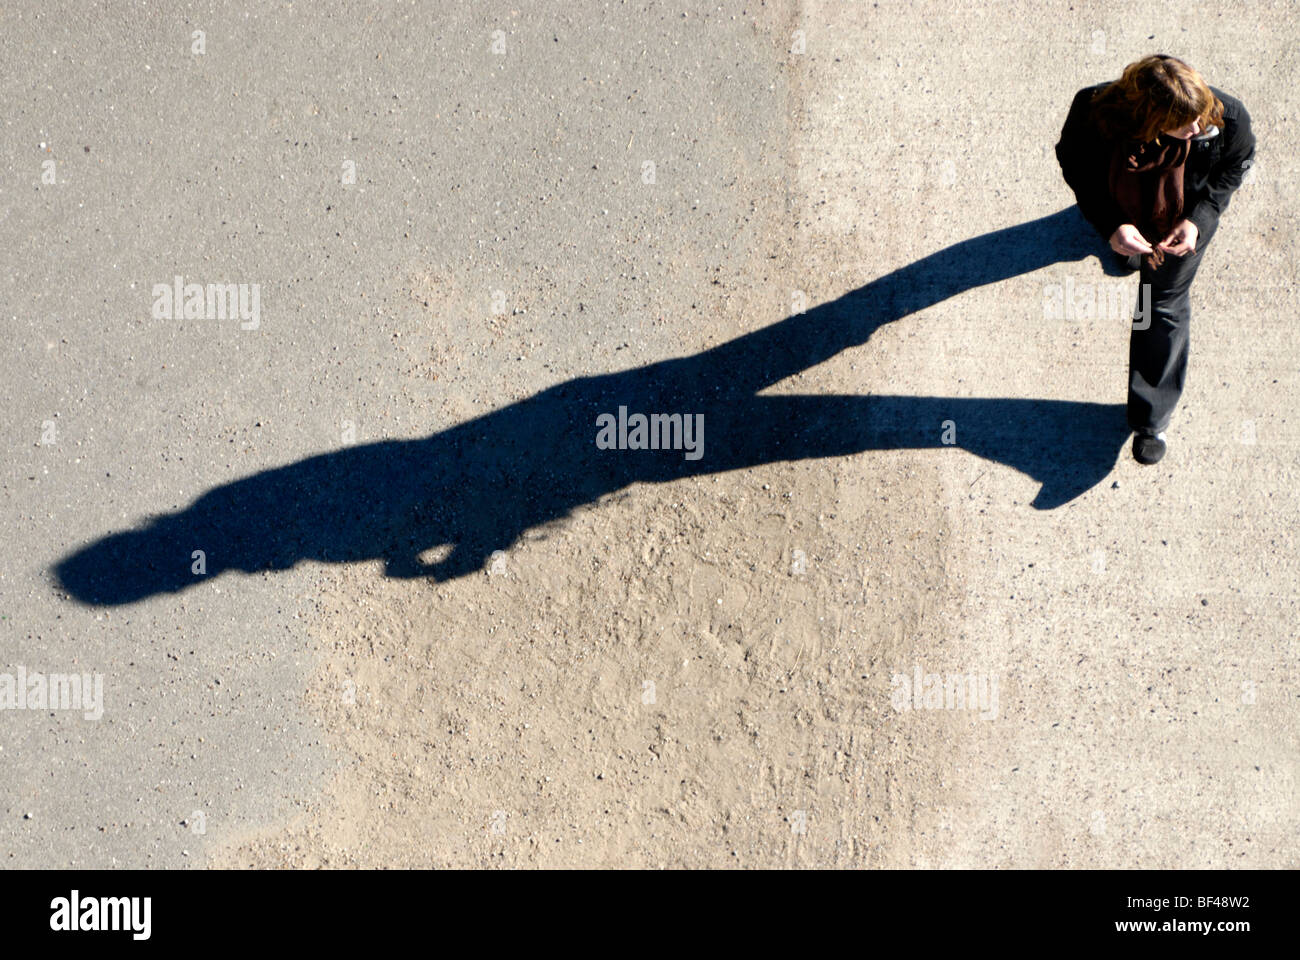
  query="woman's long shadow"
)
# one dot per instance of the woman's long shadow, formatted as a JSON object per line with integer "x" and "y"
{"x": 476, "y": 487}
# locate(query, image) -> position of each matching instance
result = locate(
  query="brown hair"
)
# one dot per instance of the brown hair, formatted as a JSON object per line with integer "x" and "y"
{"x": 1155, "y": 94}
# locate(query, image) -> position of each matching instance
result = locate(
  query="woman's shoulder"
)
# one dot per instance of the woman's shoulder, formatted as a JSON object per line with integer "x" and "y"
{"x": 1087, "y": 94}
{"x": 1232, "y": 107}
{"x": 1084, "y": 109}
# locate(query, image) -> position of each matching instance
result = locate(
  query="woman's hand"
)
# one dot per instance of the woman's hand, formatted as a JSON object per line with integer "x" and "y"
{"x": 1126, "y": 240}
{"x": 1182, "y": 239}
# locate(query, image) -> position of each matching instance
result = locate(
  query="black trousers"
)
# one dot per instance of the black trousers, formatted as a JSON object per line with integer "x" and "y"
{"x": 1159, "y": 342}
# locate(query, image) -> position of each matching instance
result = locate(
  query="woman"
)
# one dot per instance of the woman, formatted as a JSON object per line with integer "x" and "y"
{"x": 1152, "y": 159}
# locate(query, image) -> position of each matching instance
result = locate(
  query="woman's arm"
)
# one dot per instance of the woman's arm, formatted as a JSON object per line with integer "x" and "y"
{"x": 1227, "y": 174}
{"x": 1085, "y": 163}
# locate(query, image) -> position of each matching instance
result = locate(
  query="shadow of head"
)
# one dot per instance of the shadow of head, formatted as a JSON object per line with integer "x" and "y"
{"x": 129, "y": 566}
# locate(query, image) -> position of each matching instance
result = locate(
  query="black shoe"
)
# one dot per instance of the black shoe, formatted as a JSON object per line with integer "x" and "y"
{"x": 1148, "y": 447}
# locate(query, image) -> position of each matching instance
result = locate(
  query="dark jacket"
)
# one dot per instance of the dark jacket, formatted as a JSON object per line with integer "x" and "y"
{"x": 1218, "y": 161}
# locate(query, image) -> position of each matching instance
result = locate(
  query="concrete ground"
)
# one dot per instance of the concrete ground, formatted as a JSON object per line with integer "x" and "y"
{"x": 450, "y": 209}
